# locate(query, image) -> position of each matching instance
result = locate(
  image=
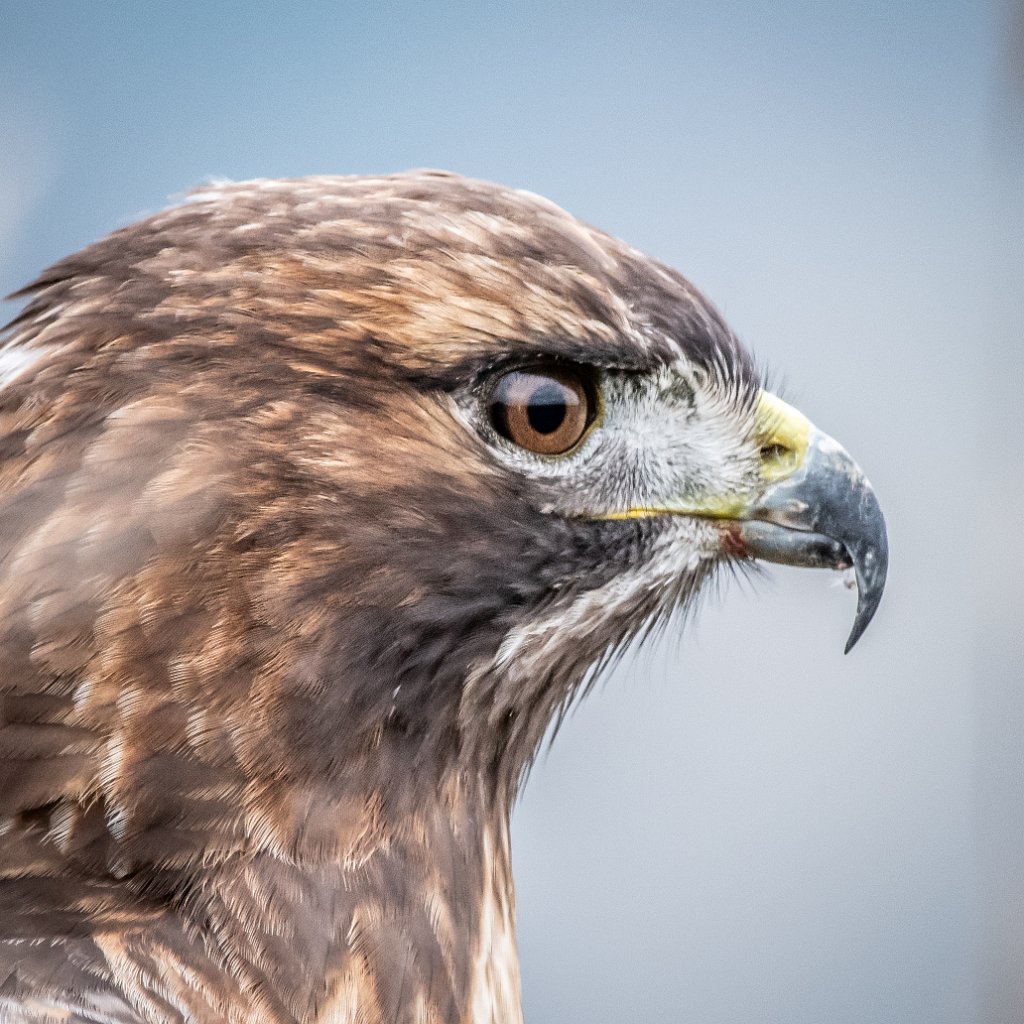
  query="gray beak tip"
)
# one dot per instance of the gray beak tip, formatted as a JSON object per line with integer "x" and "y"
{"x": 856, "y": 633}
{"x": 870, "y": 555}
{"x": 827, "y": 515}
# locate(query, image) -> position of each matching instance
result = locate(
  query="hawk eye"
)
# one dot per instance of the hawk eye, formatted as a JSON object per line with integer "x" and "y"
{"x": 544, "y": 410}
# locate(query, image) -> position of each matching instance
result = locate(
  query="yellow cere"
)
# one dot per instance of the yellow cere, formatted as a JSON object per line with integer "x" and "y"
{"x": 784, "y": 434}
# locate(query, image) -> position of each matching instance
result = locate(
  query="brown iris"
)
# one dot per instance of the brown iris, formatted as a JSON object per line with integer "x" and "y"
{"x": 544, "y": 410}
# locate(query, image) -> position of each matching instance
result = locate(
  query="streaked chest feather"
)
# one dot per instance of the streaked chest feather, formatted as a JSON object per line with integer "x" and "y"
{"x": 495, "y": 987}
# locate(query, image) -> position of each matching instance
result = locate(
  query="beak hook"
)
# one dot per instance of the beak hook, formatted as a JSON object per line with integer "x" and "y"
{"x": 824, "y": 514}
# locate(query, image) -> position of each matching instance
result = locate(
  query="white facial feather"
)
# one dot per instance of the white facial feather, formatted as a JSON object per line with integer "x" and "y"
{"x": 664, "y": 438}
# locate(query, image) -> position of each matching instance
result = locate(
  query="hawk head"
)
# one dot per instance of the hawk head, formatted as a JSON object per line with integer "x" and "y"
{"x": 320, "y": 499}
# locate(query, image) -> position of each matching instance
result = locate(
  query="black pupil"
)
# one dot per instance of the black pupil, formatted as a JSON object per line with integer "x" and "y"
{"x": 547, "y": 408}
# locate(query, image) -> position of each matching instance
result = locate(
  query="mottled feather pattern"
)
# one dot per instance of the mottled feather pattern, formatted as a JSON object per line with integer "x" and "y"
{"x": 250, "y": 557}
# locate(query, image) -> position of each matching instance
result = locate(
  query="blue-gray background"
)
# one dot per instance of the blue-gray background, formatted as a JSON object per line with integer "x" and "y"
{"x": 740, "y": 825}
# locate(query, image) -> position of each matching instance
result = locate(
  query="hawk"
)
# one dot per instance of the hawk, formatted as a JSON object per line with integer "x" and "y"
{"x": 319, "y": 500}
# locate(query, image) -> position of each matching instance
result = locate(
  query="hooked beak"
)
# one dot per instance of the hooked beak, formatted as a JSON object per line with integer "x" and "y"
{"x": 816, "y": 508}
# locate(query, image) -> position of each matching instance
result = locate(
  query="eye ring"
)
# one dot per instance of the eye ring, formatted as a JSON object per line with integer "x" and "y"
{"x": 547, "y": 410}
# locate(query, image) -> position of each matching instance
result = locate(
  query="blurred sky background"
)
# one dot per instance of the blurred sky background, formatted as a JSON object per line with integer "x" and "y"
{"x": 740, "y": 824}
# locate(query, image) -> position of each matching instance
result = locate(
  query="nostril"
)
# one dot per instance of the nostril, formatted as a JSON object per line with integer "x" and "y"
{"x": 770, "y": 452}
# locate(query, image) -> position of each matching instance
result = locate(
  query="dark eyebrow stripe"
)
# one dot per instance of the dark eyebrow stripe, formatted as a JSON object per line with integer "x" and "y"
{"x": 506, "y": 355}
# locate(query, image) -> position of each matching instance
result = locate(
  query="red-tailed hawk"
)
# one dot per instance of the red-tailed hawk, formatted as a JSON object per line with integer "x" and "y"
{"x": 318, "y": 500}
